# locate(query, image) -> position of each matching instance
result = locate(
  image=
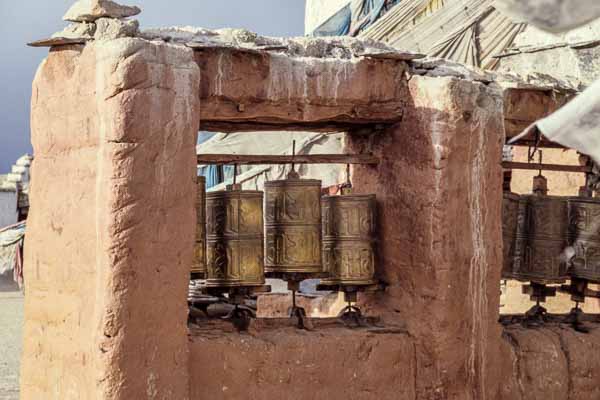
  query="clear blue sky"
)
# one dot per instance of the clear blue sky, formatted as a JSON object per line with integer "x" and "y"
{"x": 27, "y": 20}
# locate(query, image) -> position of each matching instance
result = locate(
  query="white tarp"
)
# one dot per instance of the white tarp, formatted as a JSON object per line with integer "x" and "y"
{"x": 577, "y": 124}
{"x": 277, "y": 143}
{"x": 470, "y": 32}
{"x": 551, "y": 15}
{"x": 11, "y": 242}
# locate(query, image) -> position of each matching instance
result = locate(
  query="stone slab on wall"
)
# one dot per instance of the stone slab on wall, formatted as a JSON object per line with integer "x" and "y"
{"x": 276, "y": 305}
{"x": 110, "y": 233}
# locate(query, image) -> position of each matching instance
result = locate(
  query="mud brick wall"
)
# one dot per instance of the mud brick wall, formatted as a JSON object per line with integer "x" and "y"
{"x": 110, "y": 241}
{"x": 111, "y": 227}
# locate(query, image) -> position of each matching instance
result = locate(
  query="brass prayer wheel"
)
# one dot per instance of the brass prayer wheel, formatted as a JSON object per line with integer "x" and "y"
{"x": 584, "y": 237}
{"x": 510, "y": 219}
{"x": 293, "y": 226}
{"x": 349, "y": 239}
{"x": 541, "y": 242}
{"x": 199, "y": 262}
{"x": 235, "y": 253}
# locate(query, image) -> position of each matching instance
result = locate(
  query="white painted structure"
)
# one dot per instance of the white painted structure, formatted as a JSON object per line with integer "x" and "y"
{"x": 14, "y": 191}
{"x": 9, "y": 212}
{"x": 318, "y": 11}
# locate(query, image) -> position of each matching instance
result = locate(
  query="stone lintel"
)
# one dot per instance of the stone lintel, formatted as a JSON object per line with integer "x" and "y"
{"x": 247, "y": 91}
{"x": 522, "y": 107}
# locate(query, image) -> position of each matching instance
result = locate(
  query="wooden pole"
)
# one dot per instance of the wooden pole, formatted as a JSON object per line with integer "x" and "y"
{"x": 546, "y": 167}
{"x": 286, "y": 159}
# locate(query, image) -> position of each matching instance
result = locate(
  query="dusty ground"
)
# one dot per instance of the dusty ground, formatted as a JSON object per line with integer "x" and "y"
{"x": 11, "y": 319}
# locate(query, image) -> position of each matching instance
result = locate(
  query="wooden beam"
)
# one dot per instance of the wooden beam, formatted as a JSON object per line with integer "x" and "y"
{"x": 365, "y": 159}
{"x": 544, "y": 143}
{"x": 546, "y": 167}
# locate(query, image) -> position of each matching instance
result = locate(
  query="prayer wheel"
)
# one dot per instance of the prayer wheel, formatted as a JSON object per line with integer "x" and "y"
{"x": 510, "y": 222}
{"x": 199, "y": 262}
{"x": 584, "y": 237}
{"x": 349, "y": 239}
{"x": 293, "y": 226}
{"x": 540, "y": 244}
{"x": 235, "y": 253}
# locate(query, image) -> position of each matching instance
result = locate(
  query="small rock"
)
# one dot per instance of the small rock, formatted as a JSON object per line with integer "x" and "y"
{"x": 91, "y": 10}
{"x": 109, "y": 28}
{"x": 77, "y": 30}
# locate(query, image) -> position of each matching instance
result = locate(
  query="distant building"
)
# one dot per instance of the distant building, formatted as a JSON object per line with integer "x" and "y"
{"x": 14, "y": 192}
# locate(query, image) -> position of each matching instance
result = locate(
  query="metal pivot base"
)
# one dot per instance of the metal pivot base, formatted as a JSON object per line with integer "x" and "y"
{"x": 241, "y": 315}
{"x": 575, "y": 319}
{"x": 303, "y": 322}
{"x": 578, "y": 289}
{"x": 351, "y": 315}
{"x": 536, "y": 315}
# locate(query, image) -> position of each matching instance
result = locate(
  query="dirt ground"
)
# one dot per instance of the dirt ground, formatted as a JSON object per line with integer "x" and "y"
{"x": 11, "y": 320}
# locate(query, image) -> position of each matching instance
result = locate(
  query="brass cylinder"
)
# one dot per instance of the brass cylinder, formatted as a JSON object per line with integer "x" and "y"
{"x": 539, "y": 253}
{"x": 293, "y": 226}
{"x": 199, "y": 262}
{"x": 584, "y": 237}
{"x": 235, "y": 238}
{"x": 349, "y": 239}
{"x": 510, "y": 218}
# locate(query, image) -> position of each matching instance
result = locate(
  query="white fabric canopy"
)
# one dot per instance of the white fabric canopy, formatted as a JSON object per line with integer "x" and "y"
{"x": 275, "y": 143}
{"x": 577, "y": 124}
{"x": 551, "y": 15}
{"x": 470, "y": 32}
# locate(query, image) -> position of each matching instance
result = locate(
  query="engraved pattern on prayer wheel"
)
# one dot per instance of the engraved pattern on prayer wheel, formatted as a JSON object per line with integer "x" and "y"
{"x": 349, "y": 239}
{"x": 293, "y": 226}
{"x": 199, "y": 262}
{"x": 584, "y": 237}
{"x": 235, "y": 252}
{"x": 510, "y": 219}
{"x": 540, "y": 259}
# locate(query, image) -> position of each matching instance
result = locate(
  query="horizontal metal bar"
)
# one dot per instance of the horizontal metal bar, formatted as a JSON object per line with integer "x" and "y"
{"x": 287, "y": 159}
{"x": 546, "y": 167}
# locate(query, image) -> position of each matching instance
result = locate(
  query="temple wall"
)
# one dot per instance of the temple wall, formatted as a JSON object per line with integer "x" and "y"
{"x": 110, "y": 242}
